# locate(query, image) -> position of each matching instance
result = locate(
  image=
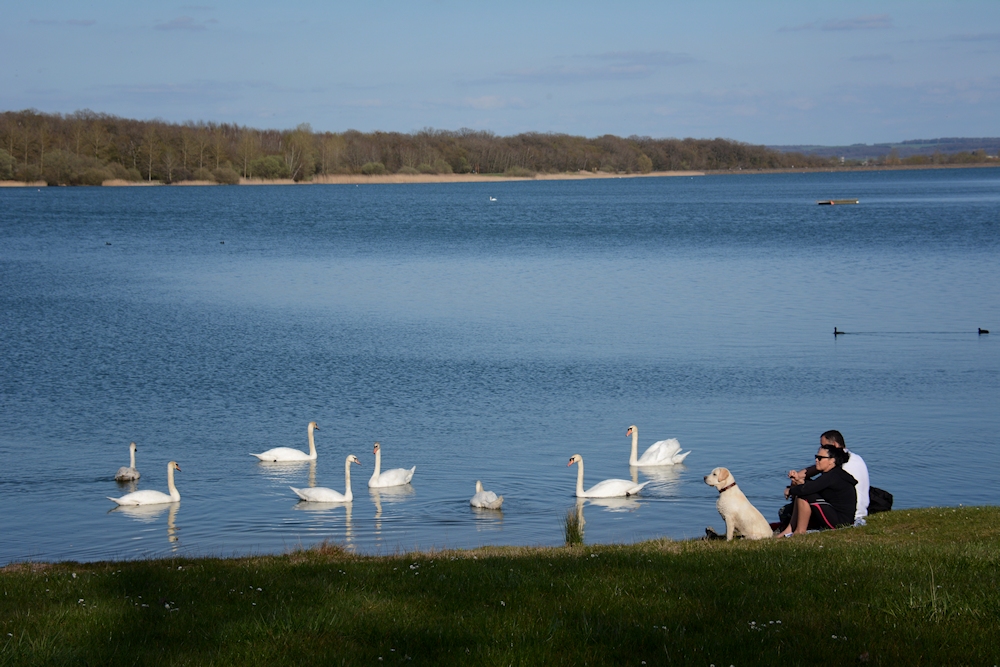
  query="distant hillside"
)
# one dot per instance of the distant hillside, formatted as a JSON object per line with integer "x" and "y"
{"x": 905, "y": 149}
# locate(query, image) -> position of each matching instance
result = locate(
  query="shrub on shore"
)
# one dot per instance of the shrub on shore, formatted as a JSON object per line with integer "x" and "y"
{"x": 373, "y": 168}
{"x": 519, "y": 172}
{"x": 7, "y": 164}
{"x": 408, "y": 170}
{"x": 225, "y": 176}
{"x": 269, "y": 167}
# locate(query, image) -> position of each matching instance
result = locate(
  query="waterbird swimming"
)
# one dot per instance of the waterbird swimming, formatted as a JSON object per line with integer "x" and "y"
{"x": 662, "y": 453}
{"x": 609, "y": 488}
{"x": 486, "y": 499}
{"x": 150, "y": 497}
{"x": 128, "y": 473}
{"x": 322, "y": 494}
{"x": 394, "y": 477}
{"x": 289, "y": 454}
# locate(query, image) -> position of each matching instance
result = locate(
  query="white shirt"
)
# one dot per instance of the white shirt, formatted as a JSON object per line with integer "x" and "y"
{"x": 857, "y": 469}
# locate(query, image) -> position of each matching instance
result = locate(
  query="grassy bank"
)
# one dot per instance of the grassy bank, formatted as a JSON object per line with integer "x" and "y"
{"x": 914, "y": 587}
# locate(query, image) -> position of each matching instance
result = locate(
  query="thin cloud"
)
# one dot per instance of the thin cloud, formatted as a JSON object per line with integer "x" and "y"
{"x": 647, "y": 58}
{"x": 609, "y": 66}
{"x": 184, "y": 23}
{"x": 74, "y": 22}
{"x": 976, "y": 37}
{"x": 872, "y": 58}
{"x": 868, "y": 22}
{"x": 487, "y": 102}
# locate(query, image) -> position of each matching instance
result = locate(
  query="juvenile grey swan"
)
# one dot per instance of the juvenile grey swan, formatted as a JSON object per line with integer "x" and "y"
{"x": 128, "y": 473}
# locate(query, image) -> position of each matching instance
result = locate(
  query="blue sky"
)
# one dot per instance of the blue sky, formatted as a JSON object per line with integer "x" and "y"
{"x": 760, "y": 72}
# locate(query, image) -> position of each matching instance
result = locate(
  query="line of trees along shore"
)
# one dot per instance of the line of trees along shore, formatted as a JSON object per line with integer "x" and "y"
{"x": 88, "y": 148}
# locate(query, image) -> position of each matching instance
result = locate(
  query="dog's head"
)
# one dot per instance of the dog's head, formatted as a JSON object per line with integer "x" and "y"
{"x": 719, "y": 477}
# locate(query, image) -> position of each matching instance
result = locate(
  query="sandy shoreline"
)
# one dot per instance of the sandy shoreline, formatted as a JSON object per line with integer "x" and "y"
{"x": 358, "y": 179}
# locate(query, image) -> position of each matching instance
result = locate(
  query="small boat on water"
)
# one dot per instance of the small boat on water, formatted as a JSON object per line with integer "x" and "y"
{"x": 831, "y": 202}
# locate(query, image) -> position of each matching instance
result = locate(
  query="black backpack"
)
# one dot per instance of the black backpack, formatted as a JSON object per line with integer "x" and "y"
{"x": 879, "y": 500}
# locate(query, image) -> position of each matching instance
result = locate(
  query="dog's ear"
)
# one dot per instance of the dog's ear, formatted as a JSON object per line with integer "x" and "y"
{"x": 723, "y": 474}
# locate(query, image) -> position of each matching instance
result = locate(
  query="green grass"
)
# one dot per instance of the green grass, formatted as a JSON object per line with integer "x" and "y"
{"x": 913, "y": 587}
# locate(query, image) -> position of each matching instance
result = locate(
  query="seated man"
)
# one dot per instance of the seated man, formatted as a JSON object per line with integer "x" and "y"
{"x": 855, "y": 466}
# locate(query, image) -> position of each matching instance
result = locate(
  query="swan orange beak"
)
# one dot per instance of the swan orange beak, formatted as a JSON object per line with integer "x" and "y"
{"x": 177, "y": 466}
{"x": 570, "y": 463}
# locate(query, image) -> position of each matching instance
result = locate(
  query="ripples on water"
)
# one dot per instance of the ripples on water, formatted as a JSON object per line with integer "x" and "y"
{"x": 484, "y": 340}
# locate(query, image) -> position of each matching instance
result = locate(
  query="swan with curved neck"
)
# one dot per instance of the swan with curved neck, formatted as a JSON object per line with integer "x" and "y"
{"x": 663, "y": 453}
{"x": 394, "y": 477}
{"x": 151, "y": 497}
{"x": 280, "y": 454}
{"x": 609, "y": 488}
{"x": 323, "y": 495}
{"x": 485, "y": 499}
{"x": 128, "y": 473}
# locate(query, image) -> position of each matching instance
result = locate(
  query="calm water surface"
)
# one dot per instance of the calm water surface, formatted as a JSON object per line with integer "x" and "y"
{"x": 485, "y": 340}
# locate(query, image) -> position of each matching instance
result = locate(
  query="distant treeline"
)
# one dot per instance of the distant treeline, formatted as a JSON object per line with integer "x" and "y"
{"x": 946, "y": 150}
{"x": 88, "y": 148}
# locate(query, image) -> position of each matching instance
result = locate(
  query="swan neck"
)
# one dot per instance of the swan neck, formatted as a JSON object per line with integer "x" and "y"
{"x": 378, "y": 464}
{"x": 347, "y": 480}
{"x": 174, "y": 494}
{"x": 312, "y": 443}
{"x": 131, "y": 457}
{"x": 634, "y": 458}
{"x": 579, "y": 478}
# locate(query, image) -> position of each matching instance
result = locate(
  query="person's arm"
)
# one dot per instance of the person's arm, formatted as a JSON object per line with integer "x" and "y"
{"x": 812, "y": 486}
{"x": 800, "y": 476}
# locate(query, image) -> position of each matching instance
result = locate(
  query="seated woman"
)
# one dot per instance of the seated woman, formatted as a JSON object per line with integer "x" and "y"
{"x": 828, "y": 501}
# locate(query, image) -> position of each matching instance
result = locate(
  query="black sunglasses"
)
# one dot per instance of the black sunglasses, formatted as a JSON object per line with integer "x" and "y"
{"x": 818, "y": 457}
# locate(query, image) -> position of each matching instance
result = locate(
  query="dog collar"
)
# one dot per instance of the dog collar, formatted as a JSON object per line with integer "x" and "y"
{"x": 721, "y": 491}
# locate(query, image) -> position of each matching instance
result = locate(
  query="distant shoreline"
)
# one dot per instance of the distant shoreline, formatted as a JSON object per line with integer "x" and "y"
{"x": 359, "y": 179}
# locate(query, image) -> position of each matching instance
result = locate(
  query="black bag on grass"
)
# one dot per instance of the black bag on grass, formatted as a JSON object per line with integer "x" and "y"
{"x": 879, "y": 500}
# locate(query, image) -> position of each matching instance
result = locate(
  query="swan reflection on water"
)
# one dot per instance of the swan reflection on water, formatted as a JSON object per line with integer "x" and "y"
{"x": 487, "y": 518}
{"x": 390, "y": 494}
{"x": 329, "y": 508}
{"x": 665, "y": 479}
{"x": 287, "y": 472}
{"x": 150, "y": 514}
{"x": 626, "y": 504}
{"x": 129, "y": 486}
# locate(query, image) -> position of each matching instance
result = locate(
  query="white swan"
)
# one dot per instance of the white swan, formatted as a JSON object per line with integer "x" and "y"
{"x": 323, "y": 495}
{"x": 289, "y": 454}
{"x": 662, "y": 453}
{"x": 394, "y": 477}
{"x": 153, "y": 497}
{"x": 486, "y": 499}
{"x": 609, "y": 488}
{"x": 128, "y": 473}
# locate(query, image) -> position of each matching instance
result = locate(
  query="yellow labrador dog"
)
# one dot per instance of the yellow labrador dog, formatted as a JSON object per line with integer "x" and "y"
{"x": 735, "y": 509}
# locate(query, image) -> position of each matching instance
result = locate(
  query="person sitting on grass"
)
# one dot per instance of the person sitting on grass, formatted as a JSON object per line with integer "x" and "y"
{"x": 855, "y": 467}
{"x": 829, "y": 501}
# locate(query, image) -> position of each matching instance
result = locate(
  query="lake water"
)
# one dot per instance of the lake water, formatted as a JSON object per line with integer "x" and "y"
{"x": 488, "y": 340}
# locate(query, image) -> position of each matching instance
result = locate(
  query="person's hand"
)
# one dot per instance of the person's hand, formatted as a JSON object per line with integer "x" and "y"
{"x": 797, "y": 476}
